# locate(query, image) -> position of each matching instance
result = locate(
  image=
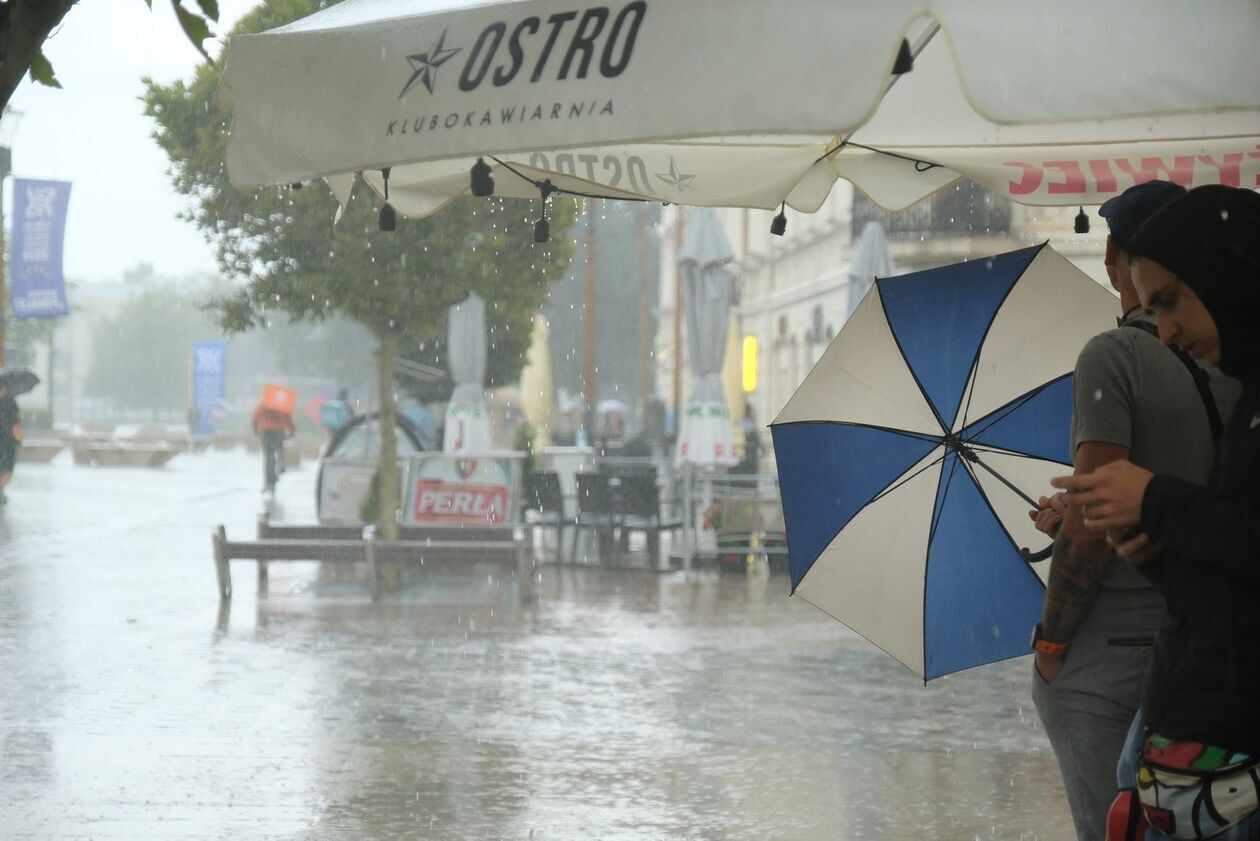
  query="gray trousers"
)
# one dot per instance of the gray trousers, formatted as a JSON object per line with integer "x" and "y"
{"x": 1088, "y": 709}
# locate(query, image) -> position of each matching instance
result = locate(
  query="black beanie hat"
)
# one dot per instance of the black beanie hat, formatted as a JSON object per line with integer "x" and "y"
{"x": 1210, "y": 239}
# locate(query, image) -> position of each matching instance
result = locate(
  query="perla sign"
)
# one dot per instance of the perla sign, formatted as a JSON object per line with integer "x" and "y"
{"x": 575, "y": 44}
{"x": 459, "y": 488}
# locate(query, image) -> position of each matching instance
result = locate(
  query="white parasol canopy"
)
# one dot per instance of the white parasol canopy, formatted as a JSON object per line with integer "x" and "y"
{"x": 747, "y": 103}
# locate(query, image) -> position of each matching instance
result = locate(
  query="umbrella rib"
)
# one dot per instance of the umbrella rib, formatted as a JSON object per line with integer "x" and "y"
{"x": 886, "y": 491}
{"x": 936, "y": 514}
{"x": 925, "y": 38}
{"x": 998, "y": 451}
{"x": 1017, "y": 403}
{"x": 922, "y": 436}
{"x": 1001, "y": 525}
{"x": 937, "y": 510}
{"x": 1003, "y": 480}
{"x": 920, "y": 165}
{"x": 973, "y": 370}
{"x": 913, "y": 374}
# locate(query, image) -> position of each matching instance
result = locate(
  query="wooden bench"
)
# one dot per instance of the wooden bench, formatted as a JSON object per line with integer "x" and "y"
{"x": 431, "y": 548}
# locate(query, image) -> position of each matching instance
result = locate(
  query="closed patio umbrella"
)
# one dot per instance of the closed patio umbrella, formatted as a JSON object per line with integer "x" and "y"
{"x": 537, "y": 385}
{"x": 706, "y": 436}
{"x": 870, "y": 261}
{"x": 467, "y": 416}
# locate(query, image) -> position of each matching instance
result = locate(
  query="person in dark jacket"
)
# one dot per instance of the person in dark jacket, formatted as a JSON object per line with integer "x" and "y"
{"x": 1196, "y": 264}
{"x": 10, "y": 438}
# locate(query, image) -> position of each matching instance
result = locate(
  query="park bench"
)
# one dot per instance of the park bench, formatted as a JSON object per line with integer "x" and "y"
{"x": 433, "y": 548}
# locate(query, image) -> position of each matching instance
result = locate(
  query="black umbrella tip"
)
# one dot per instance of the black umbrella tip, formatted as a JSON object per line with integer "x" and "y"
{"x": 542, "y": 230}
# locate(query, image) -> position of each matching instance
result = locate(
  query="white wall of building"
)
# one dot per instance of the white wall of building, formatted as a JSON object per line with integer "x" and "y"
{"x": 794, "y": 289}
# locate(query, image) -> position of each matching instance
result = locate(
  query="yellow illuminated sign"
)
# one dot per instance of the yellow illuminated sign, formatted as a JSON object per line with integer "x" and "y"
{"x": 750, "y": 363}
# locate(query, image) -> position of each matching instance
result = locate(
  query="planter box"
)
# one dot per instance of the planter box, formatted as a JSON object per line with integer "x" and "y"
{"x": 115, "y": 454}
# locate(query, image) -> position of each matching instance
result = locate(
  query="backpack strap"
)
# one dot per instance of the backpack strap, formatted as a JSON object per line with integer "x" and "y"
{"x": 1201, "y": 379}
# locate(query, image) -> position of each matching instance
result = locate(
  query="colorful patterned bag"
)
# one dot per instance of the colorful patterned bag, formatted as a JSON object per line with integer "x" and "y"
{"x": 1190, "y": 790}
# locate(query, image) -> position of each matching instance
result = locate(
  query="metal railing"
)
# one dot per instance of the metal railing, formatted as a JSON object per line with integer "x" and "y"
{"x": 743, "y": 509}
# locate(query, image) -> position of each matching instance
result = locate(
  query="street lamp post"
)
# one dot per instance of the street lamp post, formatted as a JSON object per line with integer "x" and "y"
{"x": 8, "y": 127}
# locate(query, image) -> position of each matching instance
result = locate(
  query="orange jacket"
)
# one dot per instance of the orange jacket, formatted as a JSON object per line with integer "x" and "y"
{"x": 267, "y": 419}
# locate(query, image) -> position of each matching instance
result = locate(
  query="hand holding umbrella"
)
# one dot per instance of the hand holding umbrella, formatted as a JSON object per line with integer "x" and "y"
{"x": 1048, "y": 515}
{"x": 1111, "y": 496}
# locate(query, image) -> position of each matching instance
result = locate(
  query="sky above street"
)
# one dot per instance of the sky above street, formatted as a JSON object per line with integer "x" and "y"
{"x": 93, "y": 132}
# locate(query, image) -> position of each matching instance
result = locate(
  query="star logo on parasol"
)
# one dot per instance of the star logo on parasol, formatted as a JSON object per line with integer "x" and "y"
{"x": 424, "y": 65}
{"x": 679, "y": 181}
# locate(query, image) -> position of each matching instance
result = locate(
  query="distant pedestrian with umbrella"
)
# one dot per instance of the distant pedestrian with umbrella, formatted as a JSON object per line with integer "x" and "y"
{"x": 13, "y": 381}
{"x": 10, "y": 437}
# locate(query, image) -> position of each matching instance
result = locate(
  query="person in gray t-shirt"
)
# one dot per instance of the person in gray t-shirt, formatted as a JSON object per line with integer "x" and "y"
{"x": 1134, "y": 399}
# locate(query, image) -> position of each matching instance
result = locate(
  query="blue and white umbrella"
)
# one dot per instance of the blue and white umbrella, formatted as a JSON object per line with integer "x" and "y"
{"x": 909, "y": 455}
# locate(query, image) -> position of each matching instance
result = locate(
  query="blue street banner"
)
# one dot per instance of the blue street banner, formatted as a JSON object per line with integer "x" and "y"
{"x": 39, "y": 233}
{"x": 209, "y": 370}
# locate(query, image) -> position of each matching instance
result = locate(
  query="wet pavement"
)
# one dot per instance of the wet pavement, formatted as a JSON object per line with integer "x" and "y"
{"x": 623, "y": 704}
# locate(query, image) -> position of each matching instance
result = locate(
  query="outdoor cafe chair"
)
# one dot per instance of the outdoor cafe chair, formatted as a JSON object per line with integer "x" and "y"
{"x": 595, "y": 512}
{"x": 639, "y": 509}
{"x": 544, "y": 496}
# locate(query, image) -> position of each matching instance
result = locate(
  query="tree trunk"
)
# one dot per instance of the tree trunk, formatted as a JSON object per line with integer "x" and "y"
{"x": 387, "y": 466}
{"x": 24, "y": 26}
{"x": 387, "y": 480}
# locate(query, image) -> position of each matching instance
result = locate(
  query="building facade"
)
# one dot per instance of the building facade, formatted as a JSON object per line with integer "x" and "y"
{"x": 795, "y": 291}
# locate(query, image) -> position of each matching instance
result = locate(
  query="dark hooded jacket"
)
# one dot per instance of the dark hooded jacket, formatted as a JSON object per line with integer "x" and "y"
{"x": 1204, "y": 680}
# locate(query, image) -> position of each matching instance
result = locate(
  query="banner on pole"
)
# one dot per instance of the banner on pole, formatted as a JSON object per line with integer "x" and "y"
{"x": 39, "y": 233}
{"x": 209, "y": 367}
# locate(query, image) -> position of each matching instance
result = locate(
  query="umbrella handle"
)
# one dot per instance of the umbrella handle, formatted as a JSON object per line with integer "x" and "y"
{"x": 1031, "y": 557}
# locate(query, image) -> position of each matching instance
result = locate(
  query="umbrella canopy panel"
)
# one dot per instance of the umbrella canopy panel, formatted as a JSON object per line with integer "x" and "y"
{"x": 907, "y": 456}
{"x": 661, "y": 101}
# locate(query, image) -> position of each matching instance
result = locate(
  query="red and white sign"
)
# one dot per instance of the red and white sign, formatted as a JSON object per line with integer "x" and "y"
{"x": 448, "y": 489}
{"x": 437, "y": 501}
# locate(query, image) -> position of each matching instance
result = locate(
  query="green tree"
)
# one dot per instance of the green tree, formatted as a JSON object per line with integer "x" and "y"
{"x": 140, "y": 356}
{"x": 26, "y": 24}
{"x": 336, "y": 349}
{"x": 283, "y": 246}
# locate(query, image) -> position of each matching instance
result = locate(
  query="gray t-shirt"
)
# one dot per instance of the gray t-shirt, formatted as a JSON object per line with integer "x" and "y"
{"x": 1132, "y": 391}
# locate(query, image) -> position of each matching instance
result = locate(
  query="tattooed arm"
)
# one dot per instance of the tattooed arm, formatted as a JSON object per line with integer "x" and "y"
{"x": 1078, "y": 564}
